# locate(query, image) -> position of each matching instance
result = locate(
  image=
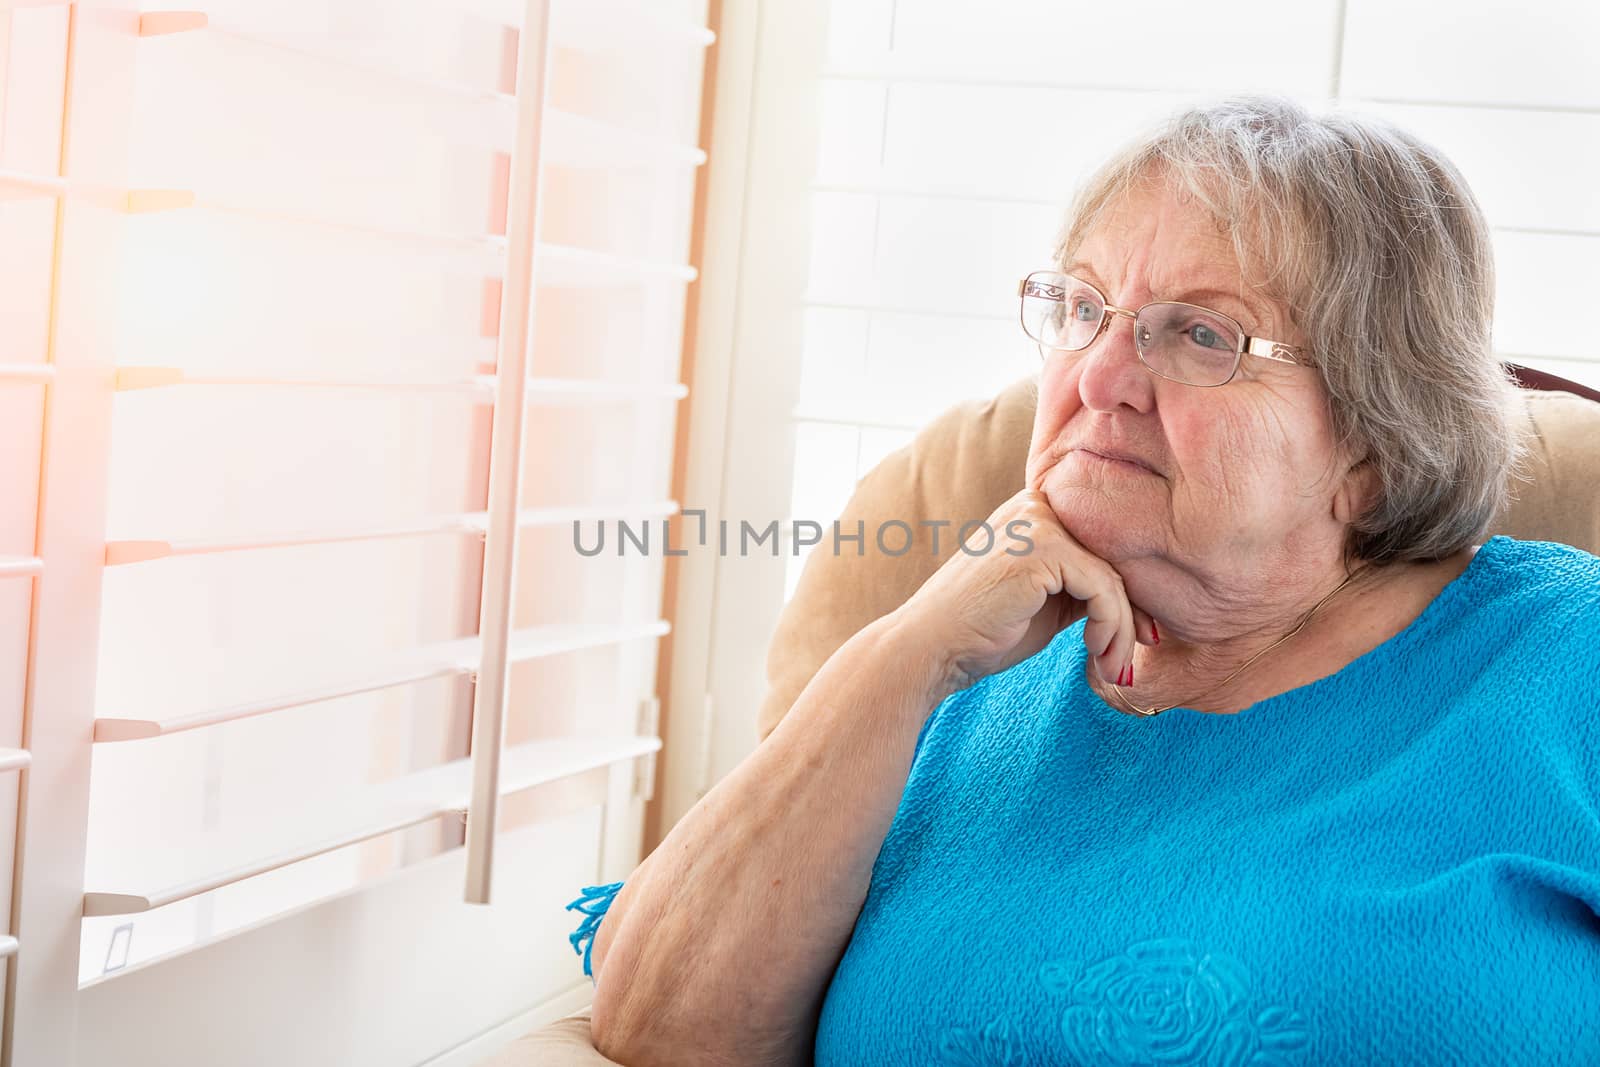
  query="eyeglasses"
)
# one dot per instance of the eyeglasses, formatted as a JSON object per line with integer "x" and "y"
{"x": 1181, "y": 342}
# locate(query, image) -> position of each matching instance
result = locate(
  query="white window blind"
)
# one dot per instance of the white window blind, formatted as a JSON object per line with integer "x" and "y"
{"x": 257, "y": 257}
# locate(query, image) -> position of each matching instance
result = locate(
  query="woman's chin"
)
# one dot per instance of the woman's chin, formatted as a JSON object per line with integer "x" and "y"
{"x": 1110, "y": 528}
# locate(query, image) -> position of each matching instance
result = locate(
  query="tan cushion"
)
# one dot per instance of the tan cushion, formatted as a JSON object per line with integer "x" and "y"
{"x": 563, "y": 1043}
{"x": 965, "y": 463}
{"x": 1559, "y": 496}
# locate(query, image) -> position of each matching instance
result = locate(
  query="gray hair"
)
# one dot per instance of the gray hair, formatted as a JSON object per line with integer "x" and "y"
{"x": 1374, "y": 242}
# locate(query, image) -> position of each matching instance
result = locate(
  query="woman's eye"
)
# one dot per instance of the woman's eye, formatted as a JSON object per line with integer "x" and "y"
{"x": 1083, "y": 311}
{"x": 1206, "y": 337}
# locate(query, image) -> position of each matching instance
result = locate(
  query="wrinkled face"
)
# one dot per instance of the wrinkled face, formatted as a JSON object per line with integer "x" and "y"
{"x": 1215, "y": 487}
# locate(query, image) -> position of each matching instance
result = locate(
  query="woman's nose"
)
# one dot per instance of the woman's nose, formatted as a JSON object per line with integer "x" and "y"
{"x": 1110, "y": 374}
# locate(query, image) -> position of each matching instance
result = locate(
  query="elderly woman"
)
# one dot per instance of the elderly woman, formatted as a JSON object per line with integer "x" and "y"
{"x": 1255, "y": 754}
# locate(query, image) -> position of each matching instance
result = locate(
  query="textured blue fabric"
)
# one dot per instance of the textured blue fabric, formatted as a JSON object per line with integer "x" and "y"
{"x": 594, "y": 903}
{"x": 1399, "y": 863}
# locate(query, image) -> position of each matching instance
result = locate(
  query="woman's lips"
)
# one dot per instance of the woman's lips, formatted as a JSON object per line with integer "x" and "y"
{"x": 1130, "y": 465}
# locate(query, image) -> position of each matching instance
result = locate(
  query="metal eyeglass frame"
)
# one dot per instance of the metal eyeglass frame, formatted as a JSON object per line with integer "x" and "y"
{"x": 1248, "y": 345}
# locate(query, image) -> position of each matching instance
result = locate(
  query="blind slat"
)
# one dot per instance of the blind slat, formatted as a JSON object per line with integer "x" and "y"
{"x": 480, "y": 387}
{"x": 26, "y": 373}
{"x": 440, "y": 660}
{"x": 581, "y": 141}
{"x": 394, "y": 806}
{"x": 598, "y": 25}
{"x": 20, "y": 566}
{"x": 553, "y": 263}
{"x": 138, "y": 551}
{"x": 573, "y": 139}
{"x": 601, "y": 27}
{"x": 16, "y": 184}
{"x": 308, "y": 46}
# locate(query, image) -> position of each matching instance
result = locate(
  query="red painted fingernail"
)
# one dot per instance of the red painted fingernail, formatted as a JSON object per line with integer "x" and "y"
{"x": 1130, "y": 672}
{"x": 1155, "y": 633}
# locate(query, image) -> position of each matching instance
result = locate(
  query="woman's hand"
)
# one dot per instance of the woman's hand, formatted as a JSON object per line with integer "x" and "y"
{"x": 989, "y": 611}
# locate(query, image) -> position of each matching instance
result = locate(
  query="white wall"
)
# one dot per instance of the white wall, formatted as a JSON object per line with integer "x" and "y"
{"x": 907, "y": 163}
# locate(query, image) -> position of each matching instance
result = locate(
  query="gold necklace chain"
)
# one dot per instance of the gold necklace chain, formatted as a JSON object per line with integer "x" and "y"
{"x": 1155, "y": 709}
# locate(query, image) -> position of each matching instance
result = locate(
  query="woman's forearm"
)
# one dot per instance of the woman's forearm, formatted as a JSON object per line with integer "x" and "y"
{"x": 721, "y": 944}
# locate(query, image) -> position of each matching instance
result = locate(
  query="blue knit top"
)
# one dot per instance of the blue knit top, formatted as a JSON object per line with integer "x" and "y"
{"x": 1398, "y": 863}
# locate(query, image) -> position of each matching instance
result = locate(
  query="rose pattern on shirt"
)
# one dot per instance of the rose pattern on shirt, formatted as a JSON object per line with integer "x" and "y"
{"x": 993, "y": 1046}
{"x": 1165, "y": 1001}
{"x": 1161, "y": 1002}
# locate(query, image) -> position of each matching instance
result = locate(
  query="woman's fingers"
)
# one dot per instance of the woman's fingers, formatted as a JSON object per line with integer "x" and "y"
{"x": 1055, "y": 616}
{"x": 988, "y": 611}
{"x": 1145, "y": 627}
{"x": 1113, "y": 625}
{"x": 1108, "y": 632}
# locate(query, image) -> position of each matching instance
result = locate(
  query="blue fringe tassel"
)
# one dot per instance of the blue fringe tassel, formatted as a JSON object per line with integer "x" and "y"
{"x": 594, "y": 902}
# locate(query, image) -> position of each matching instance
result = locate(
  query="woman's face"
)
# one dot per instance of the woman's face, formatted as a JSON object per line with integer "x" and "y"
{"x": 1208, "y": 501}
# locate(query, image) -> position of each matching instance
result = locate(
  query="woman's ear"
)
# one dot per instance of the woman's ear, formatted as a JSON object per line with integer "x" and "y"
{"x": 1357, "y": 492}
